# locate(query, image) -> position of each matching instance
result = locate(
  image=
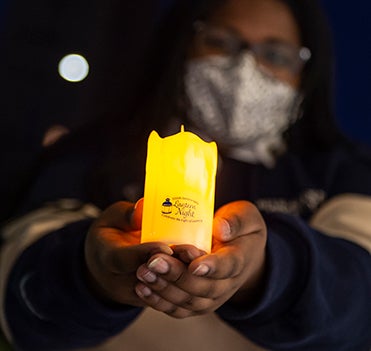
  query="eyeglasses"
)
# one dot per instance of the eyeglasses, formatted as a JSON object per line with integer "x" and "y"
{"x": 272, "y": 55}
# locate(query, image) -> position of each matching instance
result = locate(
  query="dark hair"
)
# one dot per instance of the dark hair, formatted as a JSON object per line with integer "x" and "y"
{"x": 160, "y": 96}
{"x": 315, "y": 130}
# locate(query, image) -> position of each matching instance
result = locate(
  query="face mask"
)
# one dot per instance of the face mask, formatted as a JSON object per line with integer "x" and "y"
{"x": 242, "y": 108}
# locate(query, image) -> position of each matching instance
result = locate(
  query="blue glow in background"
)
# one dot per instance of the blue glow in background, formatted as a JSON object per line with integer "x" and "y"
{"x": 351, "y": 28}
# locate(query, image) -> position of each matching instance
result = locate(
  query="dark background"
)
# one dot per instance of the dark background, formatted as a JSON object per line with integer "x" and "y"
{"x": 43, "y": 31}
{"x": 351, "y": 26}
{"x": 35, "y": 35}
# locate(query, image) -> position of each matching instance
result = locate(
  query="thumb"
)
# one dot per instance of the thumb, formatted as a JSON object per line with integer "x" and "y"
{"x": 122, "y": 215}
{"x": 137, "y": 214}
{"x": 236, "y": 219}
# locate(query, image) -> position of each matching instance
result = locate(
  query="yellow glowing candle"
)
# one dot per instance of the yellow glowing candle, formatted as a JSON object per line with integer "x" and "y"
{"x": 179, "y": 190}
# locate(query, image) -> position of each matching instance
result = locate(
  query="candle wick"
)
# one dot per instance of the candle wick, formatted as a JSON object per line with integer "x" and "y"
{"x": 182, "y": 128}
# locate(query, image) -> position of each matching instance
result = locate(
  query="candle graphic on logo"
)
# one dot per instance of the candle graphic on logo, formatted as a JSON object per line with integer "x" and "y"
{"x": 166, "y": 206}
{"x": 179, "y": 190}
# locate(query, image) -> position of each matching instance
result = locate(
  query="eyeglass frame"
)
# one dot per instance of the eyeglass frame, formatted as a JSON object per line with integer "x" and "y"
{"x": 242, "y": 45}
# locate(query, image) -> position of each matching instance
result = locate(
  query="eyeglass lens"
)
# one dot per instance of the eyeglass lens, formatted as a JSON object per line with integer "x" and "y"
{"x": 274, "y": 55}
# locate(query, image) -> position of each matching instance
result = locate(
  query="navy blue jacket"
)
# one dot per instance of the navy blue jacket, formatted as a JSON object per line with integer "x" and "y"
{"x": 317, "y": 289}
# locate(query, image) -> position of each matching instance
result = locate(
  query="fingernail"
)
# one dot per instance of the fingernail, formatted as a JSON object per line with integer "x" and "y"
{"x": 149, "y": 277}
{"x": 137, "y": 203}
{"x": 159, "y": 265}
{"x": 201, "y": 270}
{"x": 225, "y": 229}
{"x": 167, "y": 250}
{"x": 135, "y": 217}
{"x": 143, "y": 291}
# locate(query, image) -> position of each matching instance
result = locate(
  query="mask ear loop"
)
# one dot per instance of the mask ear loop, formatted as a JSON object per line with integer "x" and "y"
{"x": 296, "y": 112}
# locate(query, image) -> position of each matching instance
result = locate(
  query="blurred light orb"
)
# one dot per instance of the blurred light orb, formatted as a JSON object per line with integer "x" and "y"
{"x": 73, "y": 68}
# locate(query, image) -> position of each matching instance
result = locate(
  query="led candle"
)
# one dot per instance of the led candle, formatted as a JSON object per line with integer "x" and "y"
{"x": 179, "y": 190}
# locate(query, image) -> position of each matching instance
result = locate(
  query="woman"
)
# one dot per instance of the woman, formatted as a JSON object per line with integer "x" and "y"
{"x": 285, "y": 270}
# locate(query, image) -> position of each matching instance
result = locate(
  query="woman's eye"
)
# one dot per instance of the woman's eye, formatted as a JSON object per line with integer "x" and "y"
{"x": 276, "y": 58}
{"x": 218, "y": 44}
{"x": 226, "y": 45}
{"x": 215, "y": 42}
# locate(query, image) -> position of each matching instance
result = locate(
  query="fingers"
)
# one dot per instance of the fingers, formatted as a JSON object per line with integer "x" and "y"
{"x": 166, "y": 286}
{"x": 114, "y": 240}
{"x": 189, "y": 306}
{"x": 159, "y": 293}
{"x": 113, "y": 253}
{"x": 128, "y": 259}
{"x": 172, "y": 280}
{"x": 187, "y": 253}
{"x": 232, "y": 258}
{"x": 151, "y": 299}
{"x": 172, "y": 286}
{"x": 169, "y": 268}
{"x": 165, "y": 291}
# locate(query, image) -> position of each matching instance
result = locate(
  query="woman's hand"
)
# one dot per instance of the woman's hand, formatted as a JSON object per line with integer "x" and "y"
{"x": 191, "y": 283}
{"x": 113, "y": 253}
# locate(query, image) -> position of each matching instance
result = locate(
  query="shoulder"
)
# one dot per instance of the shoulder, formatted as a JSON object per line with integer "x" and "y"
{"x": 351, "y": 169}
{"x": 345, "y": 168}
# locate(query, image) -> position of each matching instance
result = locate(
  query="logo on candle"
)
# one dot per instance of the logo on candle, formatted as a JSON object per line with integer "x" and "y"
{"x": 181, "y": 209}
{"x": 167, "y": 206}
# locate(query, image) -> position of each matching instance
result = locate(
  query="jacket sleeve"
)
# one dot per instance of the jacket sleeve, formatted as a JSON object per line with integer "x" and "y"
{"x": 47, "y": 302}
{"x": 317, "y": 292}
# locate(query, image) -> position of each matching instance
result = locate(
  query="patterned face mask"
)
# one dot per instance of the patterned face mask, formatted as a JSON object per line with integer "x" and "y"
{"x": 242, "y": 108}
